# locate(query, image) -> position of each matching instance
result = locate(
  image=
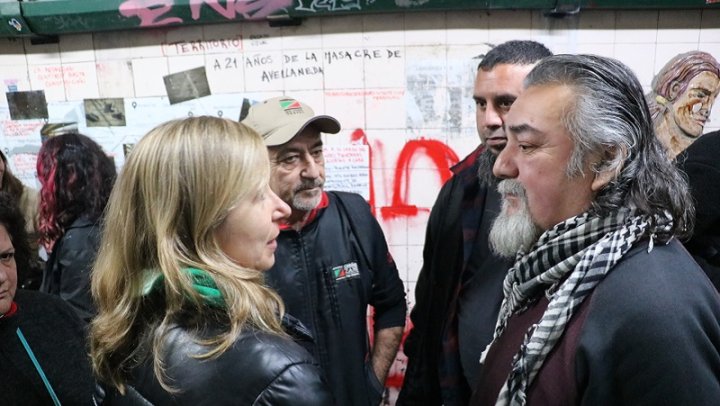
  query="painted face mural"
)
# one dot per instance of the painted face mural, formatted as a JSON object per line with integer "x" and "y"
{"x": 692, "y": 108}
{"x": 682, "y": 97}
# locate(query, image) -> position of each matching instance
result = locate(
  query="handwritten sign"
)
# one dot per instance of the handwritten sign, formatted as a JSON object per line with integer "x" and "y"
{"x": 23, "y": 167}
{"x": 347, "y": 168}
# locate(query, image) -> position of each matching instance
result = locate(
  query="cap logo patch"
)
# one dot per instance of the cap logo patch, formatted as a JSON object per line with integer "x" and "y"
{"x": 291, "y": 106}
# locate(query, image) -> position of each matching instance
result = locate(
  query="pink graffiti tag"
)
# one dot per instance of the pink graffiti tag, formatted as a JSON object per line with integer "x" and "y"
{"x": 249, "y": 9}
{"x": 149, "y": 12}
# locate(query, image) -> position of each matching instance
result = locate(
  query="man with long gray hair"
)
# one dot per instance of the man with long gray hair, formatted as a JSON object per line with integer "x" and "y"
{"x": 602, "y": 304}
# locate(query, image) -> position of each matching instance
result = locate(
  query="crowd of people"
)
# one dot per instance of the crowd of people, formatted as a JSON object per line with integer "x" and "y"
{"x": 215, "y": 268}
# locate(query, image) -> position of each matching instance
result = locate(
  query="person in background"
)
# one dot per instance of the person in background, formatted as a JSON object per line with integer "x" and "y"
{"x": 459, "y": 288}
{"x": 43, "y": 357}
{"x": 76, "y": 177}
{"x": 27, "y": 199}
{"x": 603, "y": 305}
{"x": 332, "y": 258}
{"x": 184, "y": 316}
{"x": 682, "y": 97}
{"x": 701, "y": 165}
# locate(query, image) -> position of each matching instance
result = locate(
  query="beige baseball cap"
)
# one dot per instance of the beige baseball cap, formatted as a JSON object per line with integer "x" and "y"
{"x": 280, "y": 119}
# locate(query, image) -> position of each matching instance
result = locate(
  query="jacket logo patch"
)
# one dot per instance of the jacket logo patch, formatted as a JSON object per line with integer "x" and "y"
{"x": 347, "y": 271}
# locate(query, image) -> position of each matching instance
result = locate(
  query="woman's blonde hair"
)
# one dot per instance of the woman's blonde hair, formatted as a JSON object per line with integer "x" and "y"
{"x": 175, "y": 189}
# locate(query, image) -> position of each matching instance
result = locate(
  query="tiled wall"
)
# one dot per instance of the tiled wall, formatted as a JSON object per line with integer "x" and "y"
{"x": 401, "y": 83}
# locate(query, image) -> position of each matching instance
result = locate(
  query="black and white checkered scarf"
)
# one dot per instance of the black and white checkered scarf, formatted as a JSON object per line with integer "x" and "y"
{"x": 566, "y": 264}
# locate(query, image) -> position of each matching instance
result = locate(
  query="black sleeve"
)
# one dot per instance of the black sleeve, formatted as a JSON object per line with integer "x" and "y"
{"x": 75, "y": 262}
{"x": 298, "y": 385}
{"x": 388, "y": 291}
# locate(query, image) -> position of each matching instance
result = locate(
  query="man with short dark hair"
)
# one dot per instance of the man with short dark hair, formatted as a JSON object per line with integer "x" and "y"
{"x": 602, "y": 305}
{"x": 332, "y": 260}
{"x": 459, "y": 289}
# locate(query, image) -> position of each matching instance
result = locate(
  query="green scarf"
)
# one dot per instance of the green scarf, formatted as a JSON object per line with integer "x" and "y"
{"x": 203, "y": 284}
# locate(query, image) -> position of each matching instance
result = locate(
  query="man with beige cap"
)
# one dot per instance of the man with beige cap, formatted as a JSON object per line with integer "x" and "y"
{"x": 332, "y": 259}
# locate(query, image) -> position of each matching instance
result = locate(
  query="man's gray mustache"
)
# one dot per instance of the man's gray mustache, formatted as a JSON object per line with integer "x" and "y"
{"x": 309, "y": 185}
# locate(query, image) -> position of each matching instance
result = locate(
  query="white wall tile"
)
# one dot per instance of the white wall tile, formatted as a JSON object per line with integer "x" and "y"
{"x": 304, "y": 36}
{"x": 259, "y": 36}
{"x": 640, "y": 58}
{"x": 593, "y": 26}
{"x": 148, "y": 76}
{"x": 343, "y": 68}
{"x": 381, "y": 30}
{"x": 665, "y": 52}
{"x": 710, "y": 26}
{"x": 342, "y": 32}
{"x": 77, "y": 48}
{"x": 352, "y": 103}
{"x": 424, "y": 28}
{"x": 636, "y": 26}
{"x": 115, "y": 79}
{"x": 41, "y": 54}
{"x": 467, "y": 27}
{"x": 679, "y": 26}
{"x": 384, "y": 67}
{"x": 506, "y": 25}
{"x": 607, "y": 49}
{"x": 384, "y": 108}
{"x": 80, "y": 81}
{"x": 183, "y": 63}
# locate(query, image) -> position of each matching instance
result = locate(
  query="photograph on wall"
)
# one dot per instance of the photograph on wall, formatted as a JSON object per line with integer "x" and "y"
{"x": 104, "y": 112}
{"x": 187, "y": 85}
{"x": 27, "y": 105}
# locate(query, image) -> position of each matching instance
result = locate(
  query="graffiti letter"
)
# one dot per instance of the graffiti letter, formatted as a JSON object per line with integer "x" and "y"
{"x": 442, "y": 156}
{"x": 257, "y": 9}
{"x": 227, "y": 12}
{"x": 148, "y": 11}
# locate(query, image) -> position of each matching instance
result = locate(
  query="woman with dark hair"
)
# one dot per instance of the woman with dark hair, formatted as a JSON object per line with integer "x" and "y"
{"x": 76, "y": 177}
{"x": 42, "y": 356}
{"x": 27, "y": 200}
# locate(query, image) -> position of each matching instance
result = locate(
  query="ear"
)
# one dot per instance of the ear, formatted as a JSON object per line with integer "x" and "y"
{"x": 674, "y": 90}
{"x": 602, "y": 179}
{"x": 609, "y": 167}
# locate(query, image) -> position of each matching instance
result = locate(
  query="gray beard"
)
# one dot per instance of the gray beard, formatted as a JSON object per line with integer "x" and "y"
{"x": 511, "y": 233}
{"x": 486, "y": 161}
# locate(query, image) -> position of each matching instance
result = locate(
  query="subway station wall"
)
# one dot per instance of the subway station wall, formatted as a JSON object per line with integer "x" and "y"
{"x": 400, "y": 84}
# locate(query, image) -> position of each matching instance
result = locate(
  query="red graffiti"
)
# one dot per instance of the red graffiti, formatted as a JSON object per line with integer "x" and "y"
{"x": 442, "y": 156}
{"x": 150, "y": 11}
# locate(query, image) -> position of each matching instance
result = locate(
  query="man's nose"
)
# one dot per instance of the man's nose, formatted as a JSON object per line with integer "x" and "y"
{"x": 505, "y": 167}
{"x": 492, "y": 118}
{"x": 311, "y": 168}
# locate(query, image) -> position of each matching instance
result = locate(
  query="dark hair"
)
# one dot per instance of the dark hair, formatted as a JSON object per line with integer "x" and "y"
{"x": 10, "y": 183}
{"x": 14, "y": 222}
{"x": 514, "y": 53}
{"x": 76, "y": 177}
{"x": 610, "y": 117}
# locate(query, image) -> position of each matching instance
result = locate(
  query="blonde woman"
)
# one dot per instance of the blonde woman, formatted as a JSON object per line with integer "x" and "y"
{"x": 183, "y": 314}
